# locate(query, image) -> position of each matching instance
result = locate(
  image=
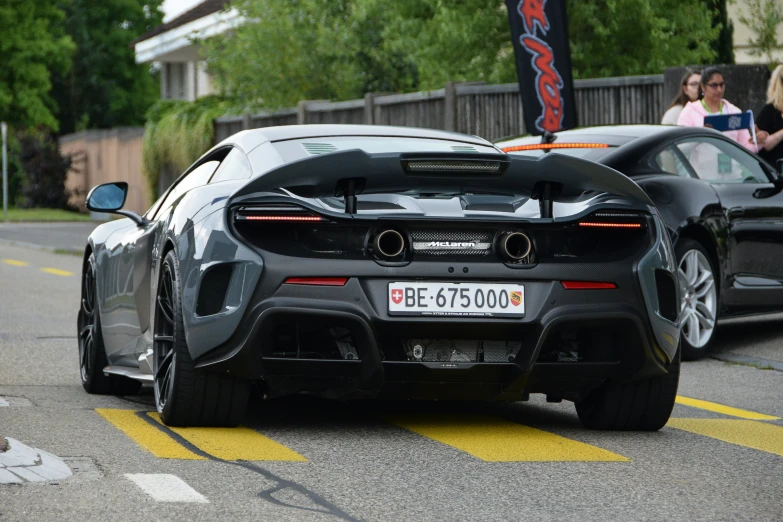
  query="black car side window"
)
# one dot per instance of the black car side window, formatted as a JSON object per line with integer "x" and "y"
{"x": 669, "y": 161}
{"x": 234, "y": 166}
{"x": 719, "y": 161}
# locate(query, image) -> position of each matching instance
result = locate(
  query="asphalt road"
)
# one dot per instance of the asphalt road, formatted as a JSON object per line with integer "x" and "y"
{"x": 306, "y": 459}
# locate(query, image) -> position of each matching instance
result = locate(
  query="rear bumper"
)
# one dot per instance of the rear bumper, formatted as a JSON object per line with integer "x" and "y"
{"x": 628, "y": 333}
{"x": 372, "y": 374}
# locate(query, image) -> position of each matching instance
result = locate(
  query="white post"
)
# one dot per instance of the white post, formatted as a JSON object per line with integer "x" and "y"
{"x": 4, "y": 128}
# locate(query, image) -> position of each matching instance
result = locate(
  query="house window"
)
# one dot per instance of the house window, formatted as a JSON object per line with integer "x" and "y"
{"x": 176, "y": 78}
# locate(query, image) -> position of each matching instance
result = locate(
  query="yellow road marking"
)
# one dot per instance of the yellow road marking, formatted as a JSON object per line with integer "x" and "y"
{"x": 146, "y": 436}
{"x": 750, "y": 434}
{"x": 56, "y": 271}
{"x": 239, "y": 443}
{"x": 14, "y": 262}
{"x": 720, "y": 408}
{"x": 493, "y": 439}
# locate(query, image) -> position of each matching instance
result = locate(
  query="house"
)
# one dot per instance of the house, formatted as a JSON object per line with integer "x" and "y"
{"x": 171, "y": 45}
{"x": 743, "y": 34}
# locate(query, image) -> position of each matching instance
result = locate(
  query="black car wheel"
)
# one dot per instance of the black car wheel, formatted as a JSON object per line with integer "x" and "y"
{"x": 643, "y": 405}
{"x": 184, "y": 394}
{"x": 698, "y": 298}
{"x": 92, "y": 354}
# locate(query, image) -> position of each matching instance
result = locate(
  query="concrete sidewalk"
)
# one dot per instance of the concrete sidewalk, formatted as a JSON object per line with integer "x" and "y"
{"x": 70, "y": 237}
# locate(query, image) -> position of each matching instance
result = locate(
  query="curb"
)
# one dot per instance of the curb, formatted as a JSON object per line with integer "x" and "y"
{"x": 747, "y": 360}
{"x": 54, "y": 250}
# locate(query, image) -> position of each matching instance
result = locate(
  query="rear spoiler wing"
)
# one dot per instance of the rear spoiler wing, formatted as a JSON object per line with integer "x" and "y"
{"x": 548, "y": 178}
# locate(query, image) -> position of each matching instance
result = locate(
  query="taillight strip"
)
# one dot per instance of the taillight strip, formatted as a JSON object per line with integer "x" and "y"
{"x": 317, "y": 281}
{"x": 599, "y": 224}
{"x": 587, "y": 285}
{"x": 550, "y": 146}
{"x": 280, "y": 218}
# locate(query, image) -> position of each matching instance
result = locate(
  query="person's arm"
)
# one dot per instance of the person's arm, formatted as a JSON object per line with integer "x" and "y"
{"x": 671, "y": 115}
{"x": 689, "y": 118}
{"x": 765, "y": 122}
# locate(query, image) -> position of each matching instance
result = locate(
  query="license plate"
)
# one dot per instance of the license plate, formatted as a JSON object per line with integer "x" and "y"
{"x": 457, "y": 299}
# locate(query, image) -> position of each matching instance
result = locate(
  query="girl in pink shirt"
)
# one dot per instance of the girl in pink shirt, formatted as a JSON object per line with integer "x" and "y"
{"x": 713, "y": 86}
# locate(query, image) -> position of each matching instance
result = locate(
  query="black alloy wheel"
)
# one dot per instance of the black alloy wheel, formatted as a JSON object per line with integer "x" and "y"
{"x": 92, "y": 353}
{"x": 186, "y": 395}
{"x": 164, "y": 353}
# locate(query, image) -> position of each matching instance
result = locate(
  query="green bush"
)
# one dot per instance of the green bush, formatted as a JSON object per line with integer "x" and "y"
{"x": 176, "y": 134}
{"x": 43, "y": 171}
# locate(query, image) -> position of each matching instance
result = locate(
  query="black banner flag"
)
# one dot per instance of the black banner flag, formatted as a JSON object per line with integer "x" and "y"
{"x": 539, "y": 32}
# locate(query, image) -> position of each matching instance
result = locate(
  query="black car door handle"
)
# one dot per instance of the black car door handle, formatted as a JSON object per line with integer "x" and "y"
{"x": 736, "y": 211}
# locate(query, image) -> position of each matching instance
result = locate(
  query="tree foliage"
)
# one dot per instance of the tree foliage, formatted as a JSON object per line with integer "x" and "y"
{"x": 176, "y": 134}
{"x": 763, "y": 18}
{"x": 33, "y": 45}
{"x": 723, "y": 45}
{"x": 340, "y": 49}
{"x": 43, "y": 183}
{"x": 626, "y": 37}
{"x": 105, "y": 87}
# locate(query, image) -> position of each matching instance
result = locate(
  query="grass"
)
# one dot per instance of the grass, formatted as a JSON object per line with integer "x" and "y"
{"x": 43, "y": 214}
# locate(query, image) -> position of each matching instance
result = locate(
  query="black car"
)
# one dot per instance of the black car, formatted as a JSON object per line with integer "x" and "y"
{"x": 362, "y": 261}
{"x": 722, "y": 205}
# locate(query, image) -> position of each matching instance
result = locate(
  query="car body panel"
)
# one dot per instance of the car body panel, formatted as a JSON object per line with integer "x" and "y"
{"x": 739, "y": 223}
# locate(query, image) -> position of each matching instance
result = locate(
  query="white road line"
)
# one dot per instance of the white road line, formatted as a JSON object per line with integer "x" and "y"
{"x": 3, "y": 402}
{"x": 166, "y": 488}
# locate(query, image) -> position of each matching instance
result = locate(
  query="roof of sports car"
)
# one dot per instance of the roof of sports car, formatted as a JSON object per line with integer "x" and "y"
{"x": 250, "y": 139}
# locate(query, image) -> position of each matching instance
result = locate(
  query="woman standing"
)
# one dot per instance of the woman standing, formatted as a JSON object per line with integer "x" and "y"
{"x": 689, "y": 91}
{"x": 769, "y": 118}
{"x": 713, "y": 87}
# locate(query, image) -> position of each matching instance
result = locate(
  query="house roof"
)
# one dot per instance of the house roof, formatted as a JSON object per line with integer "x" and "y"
{"x": 205, "y": 8}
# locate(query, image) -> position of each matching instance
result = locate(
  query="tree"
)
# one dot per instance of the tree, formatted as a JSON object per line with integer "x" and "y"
{"x": 626, "y": 37}
{"x": 763, "y": 18}
{"x": 340, "y": 49}
{"x": 33, "y": 45}
{"x": 105, "y": 87}
{"x": 723, "y": 45}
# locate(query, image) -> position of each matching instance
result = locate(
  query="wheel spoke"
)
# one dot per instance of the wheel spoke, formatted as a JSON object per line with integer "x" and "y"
{"x": 164, "y": 363}
{"x": 165, "y": 309}
{"x": 86, "y": 353}
{"x": 86, "y": 331}
{"x": 701, "y": 292}
{"x": 704, "y": 276}
{"x": 691, "y": 266}
{"x": 703, "y": 321}
{"x": 704, "y": 310}
{"x": 693, "y": 330}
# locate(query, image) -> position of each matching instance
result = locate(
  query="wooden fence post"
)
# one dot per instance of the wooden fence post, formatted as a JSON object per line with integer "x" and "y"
{"x": 450, "y": 110}
{"x": 301, "y": 113}
{"x": 369, "y": 108}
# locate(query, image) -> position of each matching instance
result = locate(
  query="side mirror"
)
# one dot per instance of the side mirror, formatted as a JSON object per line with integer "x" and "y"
{"x": 109, "y": 197}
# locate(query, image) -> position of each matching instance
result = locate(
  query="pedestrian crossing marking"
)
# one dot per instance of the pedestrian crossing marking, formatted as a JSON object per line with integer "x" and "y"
{"x": 721, "y": 408}
{"x": 760, "y": 436}
{"x": 493, "y": 439}
{"x": 56, "y": 271}
{"x": 14, "y": 262}
{"x": 238, "y": 443}
{"x": 147, "y": 436}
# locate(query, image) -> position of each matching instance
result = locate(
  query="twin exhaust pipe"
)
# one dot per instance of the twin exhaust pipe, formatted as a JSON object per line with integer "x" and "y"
{"x": 389, "y": 245}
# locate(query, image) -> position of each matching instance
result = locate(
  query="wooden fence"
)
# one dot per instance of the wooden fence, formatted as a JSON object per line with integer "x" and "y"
{"x": 489, "y": 111}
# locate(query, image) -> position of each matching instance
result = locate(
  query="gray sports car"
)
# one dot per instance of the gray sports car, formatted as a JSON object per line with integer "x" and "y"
{"x": 365, "y": 261}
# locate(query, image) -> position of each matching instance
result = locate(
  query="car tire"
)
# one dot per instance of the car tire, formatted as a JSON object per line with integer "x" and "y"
{"x": 186, "y": 395}
{"x": 92, "y": 352}
{"x": 643, "y": 405}
{"x": 699, "y": 298}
